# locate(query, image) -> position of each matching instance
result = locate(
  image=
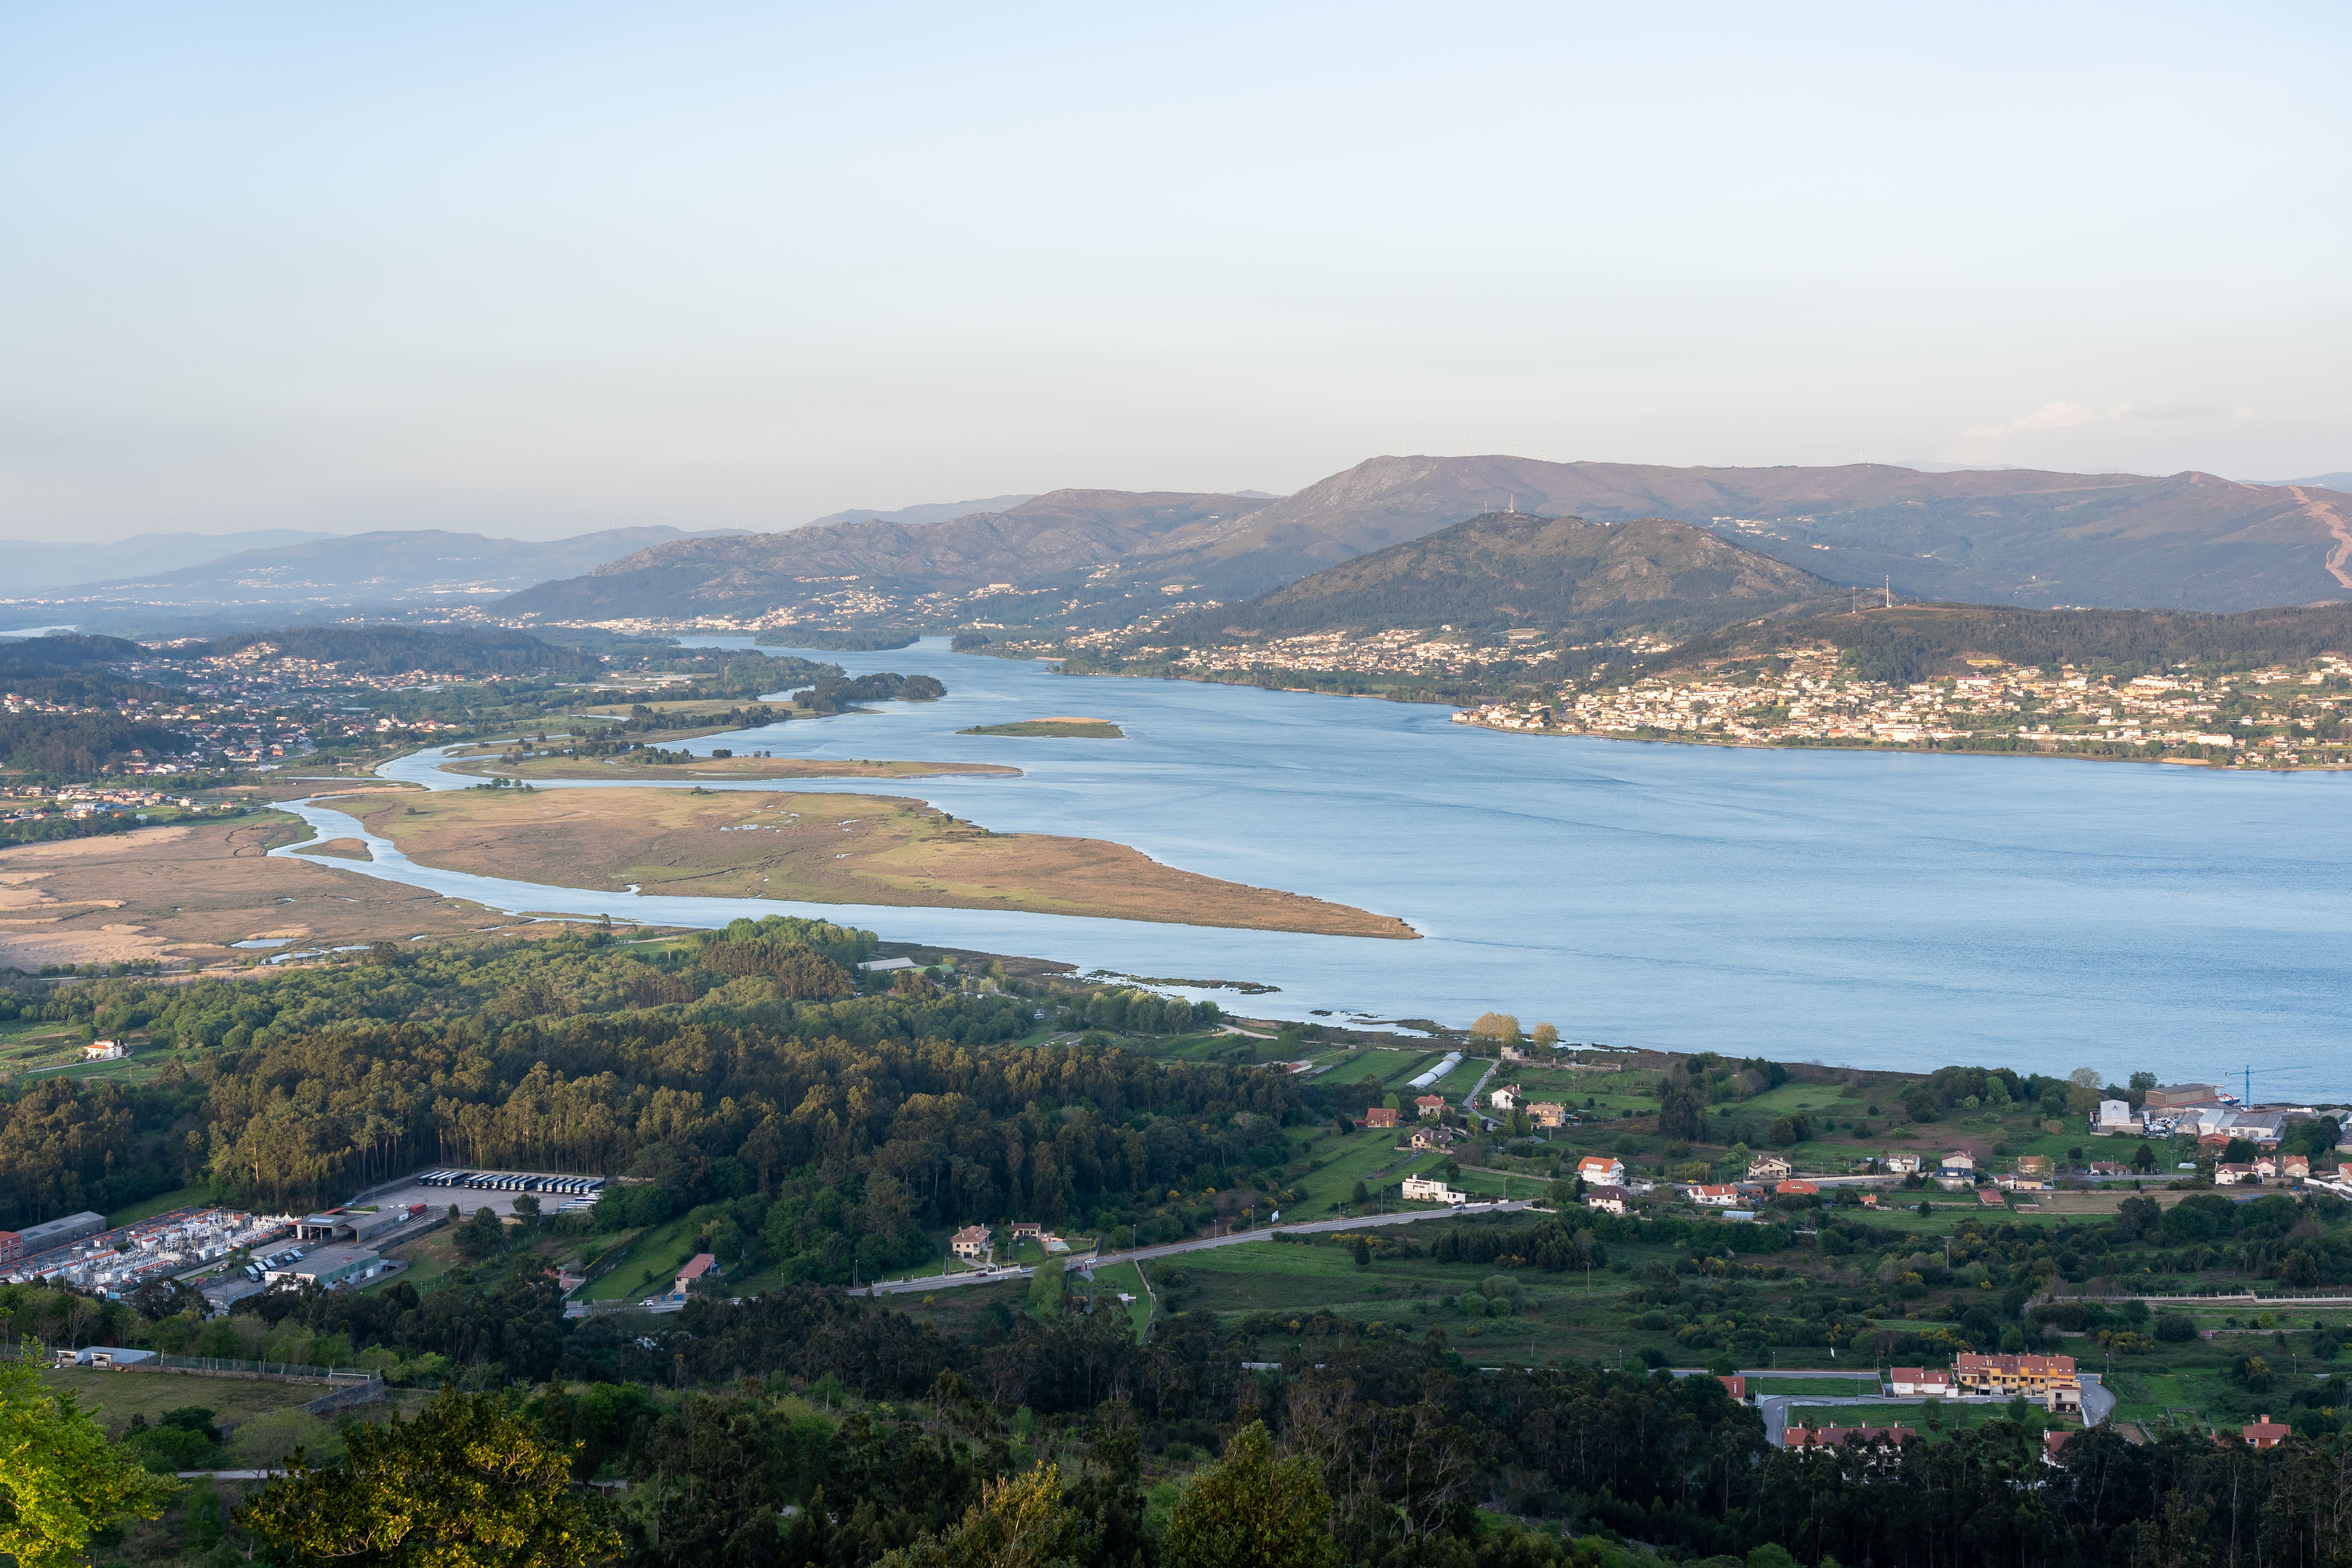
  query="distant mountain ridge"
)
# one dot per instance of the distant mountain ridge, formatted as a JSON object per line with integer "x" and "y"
{"x": 388, "y": 568}
{"x": 28, "y": 565}
{"x": 929, "y": 511}
{"x": 1505, "y": 569}
{"x": 1062, "y": 535}
{"x": 1987, "y": 535}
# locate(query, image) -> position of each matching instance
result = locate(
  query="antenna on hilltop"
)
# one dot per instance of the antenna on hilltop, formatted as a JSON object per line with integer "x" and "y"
{"x": 1890, "y": 590}
{"x": 1513, "y": 506}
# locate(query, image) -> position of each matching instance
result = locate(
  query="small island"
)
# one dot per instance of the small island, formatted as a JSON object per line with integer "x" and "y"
{"x": 1065, "y": 727}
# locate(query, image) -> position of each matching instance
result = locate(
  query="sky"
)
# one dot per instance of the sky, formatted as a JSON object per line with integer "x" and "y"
{"x": 533, "y": 269}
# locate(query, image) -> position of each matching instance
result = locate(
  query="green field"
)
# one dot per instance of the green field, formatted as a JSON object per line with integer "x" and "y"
{"x": 648, "y": 1266}
{"x": 114, "y": 1398}
{"x": 161, "y": 1202}
{"x": 1359, "y": 1157}
{"x": 1114, "y": 1277}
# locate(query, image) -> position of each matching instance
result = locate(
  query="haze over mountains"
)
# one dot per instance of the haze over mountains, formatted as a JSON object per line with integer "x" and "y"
{"x": 387, "y": 570}
{"x": 2003, "y": 536}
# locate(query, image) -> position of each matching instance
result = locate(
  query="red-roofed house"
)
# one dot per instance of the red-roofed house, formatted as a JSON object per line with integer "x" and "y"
{"x": 1608, "y": 1199}
{"x": 2265, "y": 1433}
{"x": 1715, "y": 1195}
{"x": 2053, "y": 1444}
{"x": 1380, "y": 1116}
{"x": 1429, "y": 1105}
{"x": 1988, "y": 1198}
{"x": 701, "y": 1266}
{"x": 2013, "y": 1374}
{"x": 1601, "y": 1168}
{"x": 2295, "y": 1167}
{"x": 1796, "y": 1189}
{"x": 971, "y": 1242}
{"x": 1736, "y": 1383}
{"x": 1876, "y": 1441}
{"x": 1916, "y": 1381}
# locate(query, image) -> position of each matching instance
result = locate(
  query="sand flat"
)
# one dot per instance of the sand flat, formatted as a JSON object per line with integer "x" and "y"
{"x": 824, "y": 849}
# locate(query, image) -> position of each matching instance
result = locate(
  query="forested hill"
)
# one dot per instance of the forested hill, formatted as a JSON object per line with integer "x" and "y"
{"x": 1507, "y": 568}
{"x": 61, "y": 651}
{"x": 1913, "y": 642}
{"x": 396, "y": 650}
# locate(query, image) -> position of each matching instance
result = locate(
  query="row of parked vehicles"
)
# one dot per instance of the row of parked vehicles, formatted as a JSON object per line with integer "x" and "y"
{"x": 264, "y": 1262}
{"x": 508, "y": 1182}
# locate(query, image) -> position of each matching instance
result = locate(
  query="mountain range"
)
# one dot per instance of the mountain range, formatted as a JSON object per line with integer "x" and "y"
{"x": 28, "y": 565}
{"x": 1501, "y": 569}
{"x": 2004, "y": 535}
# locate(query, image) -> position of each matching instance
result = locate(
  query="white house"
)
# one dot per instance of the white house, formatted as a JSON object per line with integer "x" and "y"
{"x": 1902, "y": 1164}
{"x": 1601, "y": 1170}
{"x": 1919, "y": 1383}
{"x": 1422, "y": 1190}
{"x": 1608, "y": 1199}
{"x": 105, "y": 1051}
{"x": 1715, "y": 1196}
{"x": 1505, "y": 1098}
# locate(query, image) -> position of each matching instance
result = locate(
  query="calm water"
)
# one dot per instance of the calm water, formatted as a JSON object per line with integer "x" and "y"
{"x": 1847, "y": 908}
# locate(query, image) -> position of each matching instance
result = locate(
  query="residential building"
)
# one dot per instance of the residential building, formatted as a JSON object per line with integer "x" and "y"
{"x": 1545, "y": 1113}
{"x": 2011, "y": 1374}
{"x": 1027, "y": 1231}
{"x": 1601, "y": 1168}
{"x": 2230, "y": 1175}
{"x": 1505, "y": 1098}
{"x": 2265, "y": 1433}
{"x": 1988, "y": 1198}
{"x": 1735, "y": 1383}
{"x": 700, "y": 1267}
{"x": 2114, "y": 1116}
{"x": 1720, "y": 1197}
{"x": 970, "y": 1243}
{"x": 1878, "y": 1441}
{"x": 1427, "y": 1138}
{"x": 2295, "y": 1167}
{"x": 2054, "y": 1444}
{"x": 1919, "y": 1383}
{"x": 1422, "y": 1190}
{"x": 1793, "y": 1188}
{"x": 104, "y": 1051}
{"x": 1958, "y": 1163}
{"x": 2109, "y": 1168}
{"x": 1514, "y": 1054}
{"x": 1770, "y": 1168}
{"x": 1870, "y": 1200}
{"x": 1430, "y": 1105}
{"x": 1901, "y": 1165}
{"x": 1380, "y": 1116}
{"x": 2179, "y": 1096}
{"x": 1608, "y": 1199}
{"x": 2040, "y": 1165}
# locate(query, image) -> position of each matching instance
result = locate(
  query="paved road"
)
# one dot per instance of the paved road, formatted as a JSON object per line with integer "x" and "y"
{"x": 2098, "y": 1400}
{"x": 1146, "y": 1254}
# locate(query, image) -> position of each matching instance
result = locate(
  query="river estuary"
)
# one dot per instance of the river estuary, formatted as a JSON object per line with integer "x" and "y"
{"x": 1851, "y": 908}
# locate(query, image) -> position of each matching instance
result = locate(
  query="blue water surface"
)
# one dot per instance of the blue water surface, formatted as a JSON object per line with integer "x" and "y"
{"x": 1851, "y": 908}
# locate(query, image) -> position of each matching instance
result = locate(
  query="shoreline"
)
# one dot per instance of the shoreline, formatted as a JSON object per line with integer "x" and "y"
{"x": 1905, "y": 750}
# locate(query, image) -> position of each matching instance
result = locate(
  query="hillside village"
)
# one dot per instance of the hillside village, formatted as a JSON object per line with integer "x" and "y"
{"x": 2289, "y": 715}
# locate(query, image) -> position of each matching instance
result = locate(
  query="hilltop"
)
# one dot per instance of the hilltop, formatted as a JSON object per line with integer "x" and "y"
{"x": 1505, "y": 569}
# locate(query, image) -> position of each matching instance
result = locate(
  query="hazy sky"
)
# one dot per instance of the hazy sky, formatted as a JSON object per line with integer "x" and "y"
{"x": 535, "y": 268}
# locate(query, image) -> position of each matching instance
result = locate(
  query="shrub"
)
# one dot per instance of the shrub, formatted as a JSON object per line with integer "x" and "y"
{"x": 2175, "y": 1327}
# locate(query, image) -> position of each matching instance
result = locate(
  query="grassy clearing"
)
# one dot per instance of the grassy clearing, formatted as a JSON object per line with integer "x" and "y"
{"x": 1114, "y": 1278}
{"x": 1866, "y": 1383}
{"x": 648, "y": 1266}
{"x": 161, "y": 1202}
{"x": 114, "y": 1398}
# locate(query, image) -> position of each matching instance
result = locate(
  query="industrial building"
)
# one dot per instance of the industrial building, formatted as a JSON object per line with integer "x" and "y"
{"x": 49, "y": 1234}
{"x": 327, "y": 1266}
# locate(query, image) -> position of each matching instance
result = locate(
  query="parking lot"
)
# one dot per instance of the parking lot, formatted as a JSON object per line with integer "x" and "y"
{"x": 500, "y": 1201}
